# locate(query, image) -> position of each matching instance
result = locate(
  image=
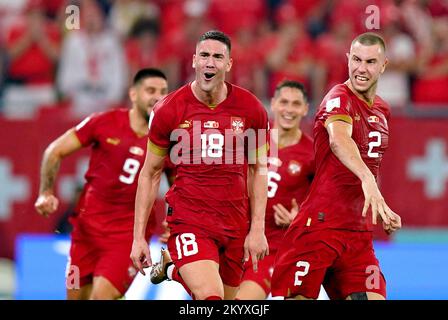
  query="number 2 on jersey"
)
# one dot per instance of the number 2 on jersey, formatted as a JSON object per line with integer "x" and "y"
{"x": 130, "y": 167}
{"x": 373, "y": 144}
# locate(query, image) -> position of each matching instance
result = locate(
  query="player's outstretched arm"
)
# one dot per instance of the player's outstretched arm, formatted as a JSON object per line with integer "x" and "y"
{"x": 147, "y": 191}
{"x": 63, "y": 146}
{"x": 346, "y": 150}
{"x": 256, "y": 244}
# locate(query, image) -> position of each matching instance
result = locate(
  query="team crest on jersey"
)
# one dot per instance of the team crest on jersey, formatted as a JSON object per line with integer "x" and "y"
{"x": 373, "y": 119}
{"x": 186, "y": 124}
{"x": 136, "y": 150}
{"x": 114, "y": 141}
{"x": 211, "y": 124}
{"x": 273, "y": 161}
{"x": 237, "y": 124}
{"x": 294, "y": 168}
{"x": 332, "y": 103}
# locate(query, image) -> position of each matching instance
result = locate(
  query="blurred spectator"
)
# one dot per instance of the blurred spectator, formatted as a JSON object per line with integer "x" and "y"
{"x": 125, "y": 13}
{"x": 331, "y": 60}
{"x": 189, "y": 22}
{"x": 229, "y": 16}
{"x": 248, "y": 69}
{"x": 432, "y": 81}
{"x": 92, "y": 71}
{"x": 394, "y": 85}
{"x": 32, "y": 45}
{"x": 288, "y": 52}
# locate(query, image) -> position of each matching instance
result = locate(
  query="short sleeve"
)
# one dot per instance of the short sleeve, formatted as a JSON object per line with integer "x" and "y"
{"x": 260, "y": 124}
{"x": 160, "y": 128}
{"x": 86, "y": 129}
{"x": 336, "y": 106}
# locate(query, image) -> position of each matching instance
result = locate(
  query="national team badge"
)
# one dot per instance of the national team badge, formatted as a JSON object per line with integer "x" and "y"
{"x": 237, "y": 124}
{"x": 211, "y": 124}
{"x": 137, "y": 151}
{"x": 294, "y": 168}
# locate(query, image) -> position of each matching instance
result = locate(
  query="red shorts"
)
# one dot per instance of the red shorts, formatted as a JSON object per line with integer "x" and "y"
{"x": 189, "y": 243}
{"x": 264, "y": 273}
{"x": 342, "y": 261}
{"x": 106, "y": 256}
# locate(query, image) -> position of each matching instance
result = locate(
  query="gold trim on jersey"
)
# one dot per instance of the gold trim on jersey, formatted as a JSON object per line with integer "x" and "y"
{"x": 341, "y": 117}
{"x": 159, "y": 151}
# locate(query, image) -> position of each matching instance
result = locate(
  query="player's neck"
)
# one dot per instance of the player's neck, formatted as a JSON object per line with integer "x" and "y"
{"x": 138, "y": 124}
{"x": 288, "y": 138}
{"x": 368, "y": 96}
{"x": 211, "y": 98}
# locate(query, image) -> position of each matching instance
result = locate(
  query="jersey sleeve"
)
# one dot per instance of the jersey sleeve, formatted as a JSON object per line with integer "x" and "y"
{"x": 161, "y": 125}
{"x": 336, "y": 106}
{"x": 86, "y": 129}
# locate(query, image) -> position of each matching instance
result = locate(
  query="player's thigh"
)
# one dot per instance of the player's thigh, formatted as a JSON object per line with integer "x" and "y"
{"x": 83, "y": 293}
{"x": 114, "y": 271}
{"x": 257, "y": 285}
{"x": 301, "y": 264}
{"x": 195, "y": 254}
{"x": 202, "y": 278}
{"x": 81, "y": 263}
{"x": 103, "y": 289}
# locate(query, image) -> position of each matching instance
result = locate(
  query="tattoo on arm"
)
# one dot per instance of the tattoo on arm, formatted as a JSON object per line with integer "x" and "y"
{"x": 49, "y": 170}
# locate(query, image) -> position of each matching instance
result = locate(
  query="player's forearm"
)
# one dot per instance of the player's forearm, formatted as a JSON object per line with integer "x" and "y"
{"x": 347, "y": 152}
{"x": 258, "y": 197}
{"x": 147, "y": 190}
{"x": 49, "y": 171}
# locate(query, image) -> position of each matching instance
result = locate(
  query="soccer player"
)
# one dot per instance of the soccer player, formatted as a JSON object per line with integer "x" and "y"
{"x": 213, "y": 125}
{"x": 104, "y": 219}
{"x": 289, "y": 177}
{"x": 330, "y": 241}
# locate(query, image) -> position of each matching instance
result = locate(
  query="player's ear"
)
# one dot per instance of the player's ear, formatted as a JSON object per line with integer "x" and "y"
{"x": 229, "y": 65}
{"x": 306, "y": 109}
{"x": 386, "y": 61}
{"x": 194, "y": 61}
{"x": 132, "y": 92}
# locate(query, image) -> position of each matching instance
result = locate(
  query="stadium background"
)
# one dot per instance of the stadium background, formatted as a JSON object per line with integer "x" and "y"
{"x": 53, "y": 72}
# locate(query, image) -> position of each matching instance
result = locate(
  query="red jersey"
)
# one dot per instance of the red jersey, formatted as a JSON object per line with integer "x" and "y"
{"x": 336, "y": 198}
{"x": 118, "y": 154}
{"x": 289, "y": 177}
{"x": 210, "y": 185}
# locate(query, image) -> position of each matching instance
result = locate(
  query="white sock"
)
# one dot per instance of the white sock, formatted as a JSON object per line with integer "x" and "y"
{"x": 169, "y": 271}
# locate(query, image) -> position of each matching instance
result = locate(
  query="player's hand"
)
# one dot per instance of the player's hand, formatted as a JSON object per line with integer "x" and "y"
{"x": 282, "y": 216}
{"x": 140, "y": 255}
{"x": 395, "y": 224}
{"x": 166, "y": 233}
{"x": 256, "y": 247}
{"x": 46, "y": 204}
{"x": 375, "y": 200}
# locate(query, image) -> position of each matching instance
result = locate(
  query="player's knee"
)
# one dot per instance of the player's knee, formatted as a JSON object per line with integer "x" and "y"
{"x": 207, "y": 293}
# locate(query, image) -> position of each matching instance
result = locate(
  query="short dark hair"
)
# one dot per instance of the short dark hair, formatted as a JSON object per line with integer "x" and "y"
{"x": 370, "y": 39}
{"x": 291, "y": 84}
{"x": 218, "y": 36}
{"x": 148, "y": 73}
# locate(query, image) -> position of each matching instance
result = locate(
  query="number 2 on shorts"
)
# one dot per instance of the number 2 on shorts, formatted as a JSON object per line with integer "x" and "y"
{"x": 189, "y": 245}
{"x": 301, "y": 273}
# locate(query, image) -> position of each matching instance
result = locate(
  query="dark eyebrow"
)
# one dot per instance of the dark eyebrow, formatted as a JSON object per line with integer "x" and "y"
{"x": 218, "y": 55}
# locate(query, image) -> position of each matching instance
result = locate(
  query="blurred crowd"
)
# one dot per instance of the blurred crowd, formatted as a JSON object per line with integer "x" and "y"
{"x": 48, "y": 61}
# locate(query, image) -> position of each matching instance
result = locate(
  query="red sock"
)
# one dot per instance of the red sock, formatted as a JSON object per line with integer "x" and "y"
{"x": 177, "y": 277}
{"x": 213, "y": 298}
